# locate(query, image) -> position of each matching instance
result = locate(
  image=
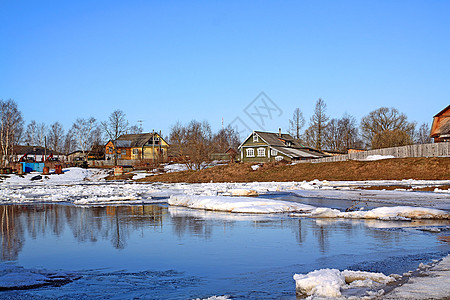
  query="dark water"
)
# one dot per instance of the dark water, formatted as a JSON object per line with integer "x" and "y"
{"x": 160, "y": 252}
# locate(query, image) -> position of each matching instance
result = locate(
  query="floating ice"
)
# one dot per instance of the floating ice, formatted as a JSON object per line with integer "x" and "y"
{"x": 238, "y": 204}
{"x": 397, "y": 213}
{"x": 331, "y": 282}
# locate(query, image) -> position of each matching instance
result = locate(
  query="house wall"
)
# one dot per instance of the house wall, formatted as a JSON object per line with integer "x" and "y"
{"x": 255, "y": 145}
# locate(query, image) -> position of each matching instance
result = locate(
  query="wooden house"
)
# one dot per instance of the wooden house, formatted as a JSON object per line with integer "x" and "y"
{"x": 144, "y": 146}
{"x": 440, "y": 130}
{"x": 36, "y": 154}
{"x": 262, "y": 146}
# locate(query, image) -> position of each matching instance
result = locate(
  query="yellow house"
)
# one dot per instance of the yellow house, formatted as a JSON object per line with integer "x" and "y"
{"x": 143, "y": 146}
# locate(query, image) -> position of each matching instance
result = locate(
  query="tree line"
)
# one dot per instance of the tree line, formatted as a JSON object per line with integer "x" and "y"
{"x": 382, "y": 128}
{"x": 84, "y": 134}
{"x": 195, "y": 141}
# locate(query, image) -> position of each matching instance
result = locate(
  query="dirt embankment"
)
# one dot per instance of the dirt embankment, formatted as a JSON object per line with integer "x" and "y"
{"x": 387, "y": 169}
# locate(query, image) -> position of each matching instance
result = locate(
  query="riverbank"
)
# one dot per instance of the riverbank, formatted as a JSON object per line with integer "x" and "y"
{"x": 436, "y": 168}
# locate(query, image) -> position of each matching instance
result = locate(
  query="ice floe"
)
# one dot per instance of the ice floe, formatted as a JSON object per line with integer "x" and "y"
{"x": 397, "y": 213}
{"x": 238, "y": 204}
{"x": 331, "y": 283}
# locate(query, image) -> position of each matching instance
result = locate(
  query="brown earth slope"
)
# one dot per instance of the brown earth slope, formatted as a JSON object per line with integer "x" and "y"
{"x": 388, "y": 169}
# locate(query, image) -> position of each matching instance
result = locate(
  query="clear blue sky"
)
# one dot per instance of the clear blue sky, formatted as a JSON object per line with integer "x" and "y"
{"x": 168, "y": 61}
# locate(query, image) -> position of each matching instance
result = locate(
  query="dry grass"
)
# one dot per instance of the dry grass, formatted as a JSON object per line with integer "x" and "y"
{"x": 388, "y": 169}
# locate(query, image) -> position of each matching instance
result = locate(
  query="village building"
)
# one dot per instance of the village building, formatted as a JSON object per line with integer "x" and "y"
{"x": 229, "y": 155}
{"x": 36, "y": 154}
{"x": 144, "y": 146}
{"x": 440, "y": 130}
{"x": 262, "y": 146}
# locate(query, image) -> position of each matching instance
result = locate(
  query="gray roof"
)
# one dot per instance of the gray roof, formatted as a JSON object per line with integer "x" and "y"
{"x": 134, "y": 140}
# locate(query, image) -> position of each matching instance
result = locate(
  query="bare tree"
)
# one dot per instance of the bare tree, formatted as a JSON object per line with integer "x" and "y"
{"x": 70, "y": 144}
{"x": 333, "y": 139}
{"x": 11, "y": 128}
{"x": 349, "y": 134}
{"x": 135, "y": 129}
{"x": 56, "y": 137}
{"x": 35, "y": 134}
{"x": 115, "y": 126}
{"x": 31, "y": 134}
{"x": 192, "y": 143}
{"x": 224, "y": 139}
{"x": 423, "y": 134}
{"x": 296, "y": 123}
{"x": 342, "y": 134}
{"x": 391, "y": 138}
{"x": 385, "y": 119}
{"x": 315, "y": 133}
{"x": 177, "y": 139}
{"x": 86, "y": 133}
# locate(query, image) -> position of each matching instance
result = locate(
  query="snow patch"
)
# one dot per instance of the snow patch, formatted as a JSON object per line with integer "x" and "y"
{"x": 378, "y": 157}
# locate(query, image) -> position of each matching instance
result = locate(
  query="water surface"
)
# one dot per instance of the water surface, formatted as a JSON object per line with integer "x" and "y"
{"x": 161, "y": 252}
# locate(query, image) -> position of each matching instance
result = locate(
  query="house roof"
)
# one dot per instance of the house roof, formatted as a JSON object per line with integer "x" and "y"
{"x": 441, "y": 123}
{"x": 442, "y": 111}
{"x": 295, "y": 150}
{"x": 135, "y": 140}
{"x": 32, "y": 150}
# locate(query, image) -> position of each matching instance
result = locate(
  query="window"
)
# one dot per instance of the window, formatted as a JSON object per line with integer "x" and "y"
{"x": 250, "y": 152}
{"x": 135, "y": 151}
{"x": 273, "y": 152}
{"x": 261, "y": 152}
{"x": 255, "y": 137}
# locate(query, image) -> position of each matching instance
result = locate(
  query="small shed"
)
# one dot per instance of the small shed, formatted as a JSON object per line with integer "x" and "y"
{"x": 28, "y": 167}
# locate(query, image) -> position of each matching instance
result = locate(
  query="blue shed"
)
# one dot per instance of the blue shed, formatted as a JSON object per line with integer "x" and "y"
{"x": 28, "y": 167}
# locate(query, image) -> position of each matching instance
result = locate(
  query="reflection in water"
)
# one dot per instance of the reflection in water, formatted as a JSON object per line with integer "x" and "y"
{"x": 117, "y": 223}
{"x": 86, "y": 224}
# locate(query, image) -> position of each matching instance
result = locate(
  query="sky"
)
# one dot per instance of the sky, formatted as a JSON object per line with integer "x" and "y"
{"x": 244, "y": 63}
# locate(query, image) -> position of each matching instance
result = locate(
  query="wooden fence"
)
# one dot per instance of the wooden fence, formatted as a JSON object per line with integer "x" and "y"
{"x": 420, "y": 150}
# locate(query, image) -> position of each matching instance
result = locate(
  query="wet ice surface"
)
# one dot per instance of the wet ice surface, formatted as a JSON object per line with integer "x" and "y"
{"x": 161, "y": 252}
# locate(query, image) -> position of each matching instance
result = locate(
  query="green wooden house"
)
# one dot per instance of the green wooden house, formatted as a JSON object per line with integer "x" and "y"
{"x": 262, "y": 147}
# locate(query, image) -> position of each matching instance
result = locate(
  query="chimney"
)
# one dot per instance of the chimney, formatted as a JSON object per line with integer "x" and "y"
{"x": 279, "y": 133}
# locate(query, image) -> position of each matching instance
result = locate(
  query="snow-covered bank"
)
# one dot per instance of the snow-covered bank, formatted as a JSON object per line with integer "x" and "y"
{"x": 427, "y": 282}
{"x": 238, "y": 204}
{"x": 432, "y": 282}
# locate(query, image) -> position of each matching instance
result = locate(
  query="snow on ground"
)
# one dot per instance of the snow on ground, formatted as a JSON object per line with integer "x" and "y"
{"x": 238, "y": 204}
{"x": 433, "y": 282}
{"x": 331, "y": 283}
{"x": 378, "y": 157}
{"x": 86, "y": 186}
